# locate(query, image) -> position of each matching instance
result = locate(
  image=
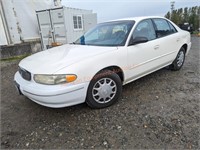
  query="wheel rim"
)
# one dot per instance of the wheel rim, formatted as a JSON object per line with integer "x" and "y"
{"x": 180, "y": 58}
{"x": 104, "y": 90}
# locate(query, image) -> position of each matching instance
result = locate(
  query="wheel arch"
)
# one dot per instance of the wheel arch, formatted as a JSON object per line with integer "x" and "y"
{"x": 185, "y": 46}
{"x": 115, "y": 69}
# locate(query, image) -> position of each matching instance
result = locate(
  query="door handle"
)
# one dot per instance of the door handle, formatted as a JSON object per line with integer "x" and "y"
{"x": 156, "y": 47}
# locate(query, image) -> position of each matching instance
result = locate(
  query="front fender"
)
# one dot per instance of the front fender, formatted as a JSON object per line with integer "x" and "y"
{"x": 87, "y": 69}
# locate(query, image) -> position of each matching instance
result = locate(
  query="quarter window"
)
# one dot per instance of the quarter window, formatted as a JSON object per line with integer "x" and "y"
{"x": 163, "y": 28}
{"x": 173, "y": 29}
{"x": 78, "y": 24}
{"x": 145, "y": 29}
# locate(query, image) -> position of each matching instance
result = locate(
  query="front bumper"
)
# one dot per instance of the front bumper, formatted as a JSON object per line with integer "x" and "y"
{"x": 55, "y": 96}
{"x": 189, "y": 47}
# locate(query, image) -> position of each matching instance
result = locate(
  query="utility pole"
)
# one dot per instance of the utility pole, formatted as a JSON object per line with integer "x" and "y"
{"x": 57, "y": 3}
{"x": 172, "y": 8}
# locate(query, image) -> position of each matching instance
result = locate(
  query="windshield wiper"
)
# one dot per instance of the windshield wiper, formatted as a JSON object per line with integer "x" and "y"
{"x": 74, "y": 43}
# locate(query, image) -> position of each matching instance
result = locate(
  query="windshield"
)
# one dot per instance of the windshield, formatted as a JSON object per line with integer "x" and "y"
{"x": 107, "y": 34}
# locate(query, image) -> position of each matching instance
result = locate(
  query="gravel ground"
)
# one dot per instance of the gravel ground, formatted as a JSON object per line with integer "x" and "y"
{"x": 160, "y": 110}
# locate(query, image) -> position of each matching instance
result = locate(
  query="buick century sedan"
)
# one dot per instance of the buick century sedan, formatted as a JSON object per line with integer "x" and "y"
{"x": 94, "y": 68}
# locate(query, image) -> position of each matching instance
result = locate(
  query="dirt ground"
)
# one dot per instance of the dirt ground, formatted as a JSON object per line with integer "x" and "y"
{"x": 161, "y": 110}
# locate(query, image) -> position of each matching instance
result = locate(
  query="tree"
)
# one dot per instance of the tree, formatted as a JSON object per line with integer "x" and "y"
{"x": 185, "y": 15}
{"x": 168, "y": 15}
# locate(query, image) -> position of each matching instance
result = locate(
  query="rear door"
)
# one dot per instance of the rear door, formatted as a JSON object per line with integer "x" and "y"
{"x": 168, "y": 40}
{"x": 58, "y": 25}
{"x": 45, "y": 28}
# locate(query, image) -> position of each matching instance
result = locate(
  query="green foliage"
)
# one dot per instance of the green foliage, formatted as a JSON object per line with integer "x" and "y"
{"x": 14, "y": 58}
{"x": 183, "y": 15}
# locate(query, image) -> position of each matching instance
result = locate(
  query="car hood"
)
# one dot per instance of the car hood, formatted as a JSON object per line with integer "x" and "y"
{"x": 54, "y": 59}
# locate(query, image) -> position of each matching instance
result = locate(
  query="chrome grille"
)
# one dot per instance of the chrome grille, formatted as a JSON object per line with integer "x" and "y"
{"x": 25, "y": 74}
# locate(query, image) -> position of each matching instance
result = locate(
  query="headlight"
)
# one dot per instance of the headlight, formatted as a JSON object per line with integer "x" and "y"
{"x": 54, "y": 79}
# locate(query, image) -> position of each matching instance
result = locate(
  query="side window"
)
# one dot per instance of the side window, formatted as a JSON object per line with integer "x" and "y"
{"x": 173, "y": 29}
{"x": 77, "y": 20}
{"x": 145, "y": 29}
{"x": 162, "y": 28}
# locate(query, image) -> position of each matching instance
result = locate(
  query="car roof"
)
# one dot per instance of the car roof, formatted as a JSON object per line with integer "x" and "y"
{"x": 136, "y": 19}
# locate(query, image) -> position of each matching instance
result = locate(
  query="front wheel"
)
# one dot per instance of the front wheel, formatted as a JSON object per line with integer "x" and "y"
{"x": 104, "y": 89}
{"x": 179, "y": 61}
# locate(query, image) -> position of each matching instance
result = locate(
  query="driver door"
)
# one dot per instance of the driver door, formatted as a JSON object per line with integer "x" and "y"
{"x": 142, "y": 57}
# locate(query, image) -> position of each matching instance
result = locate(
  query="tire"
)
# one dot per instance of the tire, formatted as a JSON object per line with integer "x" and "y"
{"x": 179, "y": 61}
{"x": 104, "y": 89}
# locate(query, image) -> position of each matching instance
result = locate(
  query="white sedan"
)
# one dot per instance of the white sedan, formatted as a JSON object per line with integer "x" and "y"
{"x": 94, "y": 68}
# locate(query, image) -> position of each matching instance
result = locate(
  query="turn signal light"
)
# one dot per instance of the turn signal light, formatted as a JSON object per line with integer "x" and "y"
{"x": 71, "y": 78}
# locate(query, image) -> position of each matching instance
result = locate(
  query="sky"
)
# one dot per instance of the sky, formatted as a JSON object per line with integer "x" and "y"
{"x": 116, "y": 9}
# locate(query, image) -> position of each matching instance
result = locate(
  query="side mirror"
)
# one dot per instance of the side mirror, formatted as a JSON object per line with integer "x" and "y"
{"x": 138, "y": 40}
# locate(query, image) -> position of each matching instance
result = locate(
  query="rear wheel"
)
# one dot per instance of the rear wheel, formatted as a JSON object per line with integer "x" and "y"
{"x": 179, "y": 61}
{"x": 104, "y": 89}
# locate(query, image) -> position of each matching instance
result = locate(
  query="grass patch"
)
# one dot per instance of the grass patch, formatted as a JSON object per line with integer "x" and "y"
{"x": 14, "y": 58}
{"x": 195, "y": 32}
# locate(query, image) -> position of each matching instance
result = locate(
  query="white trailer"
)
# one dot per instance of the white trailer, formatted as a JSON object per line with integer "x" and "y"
{"x": 3, "y": 36}
{"x": 18, "y": 22}
{"x": 63, "y": 25}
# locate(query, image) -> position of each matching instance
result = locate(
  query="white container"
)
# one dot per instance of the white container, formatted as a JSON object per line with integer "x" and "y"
{"x": 3, "y": 37}
{"x": 18, "y": 21}
{"x": 63, "y": 25}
